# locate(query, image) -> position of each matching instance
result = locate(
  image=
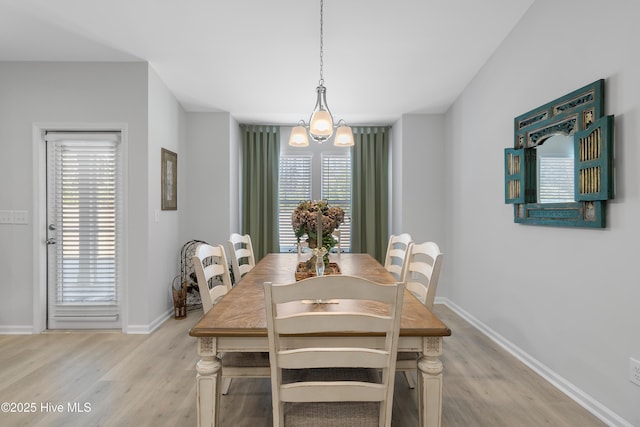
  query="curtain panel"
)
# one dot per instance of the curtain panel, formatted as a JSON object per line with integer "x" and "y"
{"x": 260, "y": 161}
{"x": 370, "y": 195}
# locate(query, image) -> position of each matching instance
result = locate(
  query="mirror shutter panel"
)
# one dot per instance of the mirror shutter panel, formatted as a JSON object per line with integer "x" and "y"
{"x": 594, "y": 161}
{"x": 514, "y": 170}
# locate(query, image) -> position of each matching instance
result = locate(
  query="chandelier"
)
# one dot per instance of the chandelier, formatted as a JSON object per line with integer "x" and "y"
{"x": 320, "y": 127}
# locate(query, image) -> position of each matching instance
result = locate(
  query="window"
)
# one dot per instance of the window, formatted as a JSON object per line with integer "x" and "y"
{"x": 295, "y": 185}
{"x": 298, "y": 182}
{"x": 336, "y": 189}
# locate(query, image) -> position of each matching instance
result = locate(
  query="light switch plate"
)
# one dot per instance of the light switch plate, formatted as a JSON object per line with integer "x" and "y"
{"x": 6, "y": 217}
{"x": 21, "y": 217}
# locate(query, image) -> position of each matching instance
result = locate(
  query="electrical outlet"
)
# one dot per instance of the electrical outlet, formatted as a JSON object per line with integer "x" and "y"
{"x": 634, "y": 371}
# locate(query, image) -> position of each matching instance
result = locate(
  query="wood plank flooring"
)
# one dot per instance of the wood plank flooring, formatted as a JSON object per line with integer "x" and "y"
{"x": 149, "y": 380}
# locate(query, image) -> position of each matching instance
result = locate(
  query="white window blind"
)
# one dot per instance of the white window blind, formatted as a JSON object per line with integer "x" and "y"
{"x": 84, "y": 197}
{"x": 556, "y": 179}
{"x": 295, "y": 186}
{"x": 336, "y": 189}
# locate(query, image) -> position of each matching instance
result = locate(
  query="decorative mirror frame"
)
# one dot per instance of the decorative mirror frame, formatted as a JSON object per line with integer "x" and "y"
{"x": 581, "y": 114}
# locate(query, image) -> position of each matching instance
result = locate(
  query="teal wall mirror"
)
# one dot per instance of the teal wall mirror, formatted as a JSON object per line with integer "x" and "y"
{"x": 560, "y": 169}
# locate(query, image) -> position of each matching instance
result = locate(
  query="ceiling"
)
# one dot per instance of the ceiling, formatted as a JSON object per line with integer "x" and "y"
{"x": 259, "y": 59}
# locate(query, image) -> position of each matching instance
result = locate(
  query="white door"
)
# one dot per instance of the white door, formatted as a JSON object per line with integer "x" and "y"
{"x": 83, "y": 230}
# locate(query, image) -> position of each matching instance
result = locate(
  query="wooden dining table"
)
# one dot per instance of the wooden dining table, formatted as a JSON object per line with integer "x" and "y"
{"x": 238, "y": 324}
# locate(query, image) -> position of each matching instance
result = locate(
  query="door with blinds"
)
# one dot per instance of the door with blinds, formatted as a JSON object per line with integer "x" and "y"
{"x": 84, "y": 209}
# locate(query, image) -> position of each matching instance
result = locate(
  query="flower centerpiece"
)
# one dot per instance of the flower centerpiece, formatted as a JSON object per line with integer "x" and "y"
{"x": 318, "y": 221}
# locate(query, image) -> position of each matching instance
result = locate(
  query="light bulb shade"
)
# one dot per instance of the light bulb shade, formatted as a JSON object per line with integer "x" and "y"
{"x": 321, "y": 122}
{"x": 298, "y": 137}
{"x": 344, "y": 137}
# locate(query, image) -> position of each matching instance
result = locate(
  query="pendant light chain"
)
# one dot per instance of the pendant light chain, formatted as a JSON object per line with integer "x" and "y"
{"x": 321, "y": 43}
{"x": 321, "y": 125}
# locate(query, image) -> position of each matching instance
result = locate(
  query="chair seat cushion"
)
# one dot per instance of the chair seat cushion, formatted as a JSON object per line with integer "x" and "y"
{"x": 335, "y": 414}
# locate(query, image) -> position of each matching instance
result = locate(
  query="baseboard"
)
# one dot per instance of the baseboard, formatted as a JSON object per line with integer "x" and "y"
{"x": 583, "y": 399}
{"x": 16, "y": 330}
{"x": 131, "y": 329}
{"x": 147, "y": 329}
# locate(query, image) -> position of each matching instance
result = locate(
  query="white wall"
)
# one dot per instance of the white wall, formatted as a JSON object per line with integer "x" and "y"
{"x": 235, "y": 182}
{"x": 209, "y": 177}
{"x": 566, "y": 297}
{"x": 167, "y": 129}
{"x": 36, "y": 92}
{"x": 422, "y": 171}
{"x": 396, "y": 193}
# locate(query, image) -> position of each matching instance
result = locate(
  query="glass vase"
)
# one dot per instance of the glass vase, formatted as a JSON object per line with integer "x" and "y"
{"x": 319, "y": 265}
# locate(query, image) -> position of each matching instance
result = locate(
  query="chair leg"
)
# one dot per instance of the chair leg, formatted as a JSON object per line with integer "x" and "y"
{"x": 409, "y": 376}
{"x": 226, "y": 383}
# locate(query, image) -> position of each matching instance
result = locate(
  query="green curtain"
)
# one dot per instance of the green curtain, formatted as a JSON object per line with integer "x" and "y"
{"x": 370, "y": 195}
{"x": 260, "y": 160}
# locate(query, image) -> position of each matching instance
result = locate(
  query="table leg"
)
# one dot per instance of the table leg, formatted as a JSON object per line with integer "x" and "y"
{"x": 208, "y": 381}
{"x": 430, "y": 382}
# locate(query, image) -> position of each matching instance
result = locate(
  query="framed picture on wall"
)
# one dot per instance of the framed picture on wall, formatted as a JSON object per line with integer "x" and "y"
{"x": 169, "y": 180}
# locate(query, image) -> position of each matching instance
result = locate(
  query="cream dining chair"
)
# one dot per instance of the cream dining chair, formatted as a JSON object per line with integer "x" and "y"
{"x": 210, "y": 262}
{"x": 349, "y": 383}
{"x": 241, "y": 253}
{"x": 397, "y": 255}
{"x": 421, "y": 279}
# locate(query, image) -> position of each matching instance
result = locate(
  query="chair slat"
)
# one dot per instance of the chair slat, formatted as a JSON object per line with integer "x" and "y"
{"x": 331, "y": 322}
{"x": 332, "y": 358}
{"x": 332, "y": 391}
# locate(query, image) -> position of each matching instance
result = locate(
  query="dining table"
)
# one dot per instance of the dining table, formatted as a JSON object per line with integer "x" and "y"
{"x": 237, "y": 323}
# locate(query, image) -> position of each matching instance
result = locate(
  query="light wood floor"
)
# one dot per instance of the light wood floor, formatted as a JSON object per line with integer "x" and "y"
{"x": 149, "y": 380}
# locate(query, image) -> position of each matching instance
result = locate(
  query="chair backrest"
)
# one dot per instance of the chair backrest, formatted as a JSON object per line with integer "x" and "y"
{"x": 210, "y": 262}
{"x": 241, "y": 253}
{"x": 423, "y": 271}
{"x": 380, "y": 318}
{"x": 397, "y": 255}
